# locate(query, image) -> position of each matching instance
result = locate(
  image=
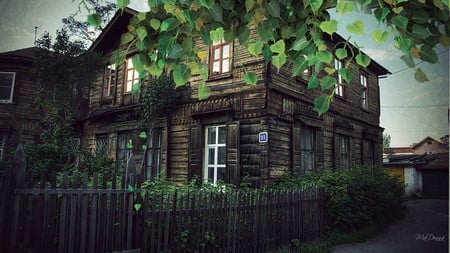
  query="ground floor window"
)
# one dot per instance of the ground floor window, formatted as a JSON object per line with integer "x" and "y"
{"x": 215, "y": 154}
{"x": 368, "y": 153}
{"x": 307, "y": 148}
{"x": 124, "y": 147}
{"x": 2, "y": 146}
{"x": 153, "y": 161}
{"x": 101, "y": 144}
{"x": 344, "y": 152}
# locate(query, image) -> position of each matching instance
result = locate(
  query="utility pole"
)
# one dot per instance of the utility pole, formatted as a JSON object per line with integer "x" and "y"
{"x": 35, "y": 34}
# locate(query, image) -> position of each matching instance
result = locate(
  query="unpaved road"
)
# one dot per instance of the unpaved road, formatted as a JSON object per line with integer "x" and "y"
{"x": 423, "y": 229}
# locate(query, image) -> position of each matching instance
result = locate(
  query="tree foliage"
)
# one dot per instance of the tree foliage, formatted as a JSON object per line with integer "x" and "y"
{"x": 286, "y": 31}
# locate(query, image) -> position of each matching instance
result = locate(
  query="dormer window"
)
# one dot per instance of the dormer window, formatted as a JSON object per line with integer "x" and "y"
{"x": 220, "y": 59}
{"x": 132, "y": 76}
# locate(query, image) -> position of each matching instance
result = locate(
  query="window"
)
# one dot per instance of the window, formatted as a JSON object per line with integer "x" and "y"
{"x": 132, "y": 76}
{"x": 124, "y": 146}
{"x": 344, "y": 152}
{"x": 7, "y": 80}
{"x": 215, "y": 154}
{"x": 2, "y": 146}
{"x": 307, "y": 149}
{"x": 101, "y": 144}
{"x": 109, "y": 81}
{"x": 154, "y": 154}
{"x": 368, "y": 152}
{"x": 339, "y": 86}
{"x": 220, "y": 58}
{"x": 363, "y": 82}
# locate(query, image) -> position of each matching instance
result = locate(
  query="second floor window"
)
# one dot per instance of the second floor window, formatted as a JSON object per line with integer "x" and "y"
{"x": 363, "y": 82}
{"x": 132, "y": 76}
{"x": 109, "y": 81}
{"x": 340, "y": 85}
{"x": 7, "y": 80}
{"x": 220, "y": 59}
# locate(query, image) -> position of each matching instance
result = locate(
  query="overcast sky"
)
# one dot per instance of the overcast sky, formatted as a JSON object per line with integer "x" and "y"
{"x": 410, "y": 111}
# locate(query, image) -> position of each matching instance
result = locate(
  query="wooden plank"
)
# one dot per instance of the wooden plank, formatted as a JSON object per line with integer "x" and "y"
{"x": 93, "y": 218}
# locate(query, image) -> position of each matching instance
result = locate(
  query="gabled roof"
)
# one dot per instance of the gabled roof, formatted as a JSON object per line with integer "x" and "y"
{"x": 113, "y": 30}
{"x": 118, "y": 25}
{"x": 415, "y": 145}
{"x": 25, "y": 54}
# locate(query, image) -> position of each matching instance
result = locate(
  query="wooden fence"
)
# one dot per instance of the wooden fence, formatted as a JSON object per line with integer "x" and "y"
{"x": 82, "y": 213}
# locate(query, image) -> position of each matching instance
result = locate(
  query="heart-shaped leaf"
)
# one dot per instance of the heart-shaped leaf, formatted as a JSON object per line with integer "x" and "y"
{"x": 322, "y": 103}
{"x": 137, "y": 207}
{"x": 329, "y": 27}
{"x": 250, "y": 78}
{"x": 363, "y": 60}
{"x": 94, "y": 19}
{"x": 380, "y": 36}
{"x": 356, "y": 27}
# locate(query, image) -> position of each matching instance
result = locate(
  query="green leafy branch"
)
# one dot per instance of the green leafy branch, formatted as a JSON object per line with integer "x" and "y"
{"x": 286, "y": 31}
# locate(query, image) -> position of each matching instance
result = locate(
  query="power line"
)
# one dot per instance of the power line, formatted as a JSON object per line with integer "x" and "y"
{"x": 413, "y": 106}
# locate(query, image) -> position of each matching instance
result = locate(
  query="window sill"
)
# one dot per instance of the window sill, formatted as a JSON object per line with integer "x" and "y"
{"x": 219, "y": 77}
{"x": 106, "y": 100}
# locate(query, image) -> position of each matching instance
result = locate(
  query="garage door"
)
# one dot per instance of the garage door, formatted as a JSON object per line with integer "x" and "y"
{"x": 435, "y": 183}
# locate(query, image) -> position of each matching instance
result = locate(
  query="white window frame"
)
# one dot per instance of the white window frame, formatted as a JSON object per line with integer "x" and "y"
{"x": 215, "y": 146}
{"x": 10, "y": 100}
{"x": 339, "y": 86}
{"x": 364, "y": 91}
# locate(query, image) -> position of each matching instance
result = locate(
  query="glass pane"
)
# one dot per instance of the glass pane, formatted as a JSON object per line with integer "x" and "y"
{"x": 222, "y": 155}
{"x": 222, "y": 135}
{"x": 129, "y": 64}
{"x": 221, "y": 173}
{"x": 211, "y": 135}
{"x": 226, "y": 66}
{"x": 130, "y": 75}
{"x": 211, "y": 159}
{"x": 5, "y": 93}
{"x": 6, "y": 79}
{"x": 129, "y": 86}
{"x": 216, "y": 54}
{"x": 226, "y": 51}
{"x": 216, "y": 67}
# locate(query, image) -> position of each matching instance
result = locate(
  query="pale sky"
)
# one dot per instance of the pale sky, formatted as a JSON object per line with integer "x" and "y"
{"x": 410, "y": 111}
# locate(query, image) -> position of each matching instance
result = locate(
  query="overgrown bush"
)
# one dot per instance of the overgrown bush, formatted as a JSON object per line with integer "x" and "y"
{"x": 358, "y": 196}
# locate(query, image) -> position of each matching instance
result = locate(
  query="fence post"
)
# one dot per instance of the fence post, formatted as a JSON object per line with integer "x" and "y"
{"x": 19, "y": 167}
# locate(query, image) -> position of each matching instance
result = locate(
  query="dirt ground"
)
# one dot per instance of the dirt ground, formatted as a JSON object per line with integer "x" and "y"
{"x": 423, "y": 229}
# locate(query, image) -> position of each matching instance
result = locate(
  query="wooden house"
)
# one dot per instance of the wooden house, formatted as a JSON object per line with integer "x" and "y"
{"x": 260, "y": 132}
{"x": 19, "y": 114}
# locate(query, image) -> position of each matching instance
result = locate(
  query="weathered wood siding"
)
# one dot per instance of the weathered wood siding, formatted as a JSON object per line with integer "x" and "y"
{"x": 21, "y": 119}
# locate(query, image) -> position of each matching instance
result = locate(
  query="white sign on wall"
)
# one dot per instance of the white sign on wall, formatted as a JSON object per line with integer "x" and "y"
{"x": 263, "y": 137}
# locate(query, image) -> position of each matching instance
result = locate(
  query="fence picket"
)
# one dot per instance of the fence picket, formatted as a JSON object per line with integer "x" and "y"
{"x": 79, "y": 217}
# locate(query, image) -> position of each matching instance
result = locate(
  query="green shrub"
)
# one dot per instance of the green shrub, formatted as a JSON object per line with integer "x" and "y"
{"x": 358, "y": 196}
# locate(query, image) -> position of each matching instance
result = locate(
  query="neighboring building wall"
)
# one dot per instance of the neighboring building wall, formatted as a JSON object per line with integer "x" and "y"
{"x": 413, "y": 181}
{"x": 19, "y": 116}
{"x": 430, "y": 145}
